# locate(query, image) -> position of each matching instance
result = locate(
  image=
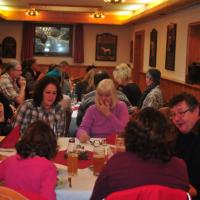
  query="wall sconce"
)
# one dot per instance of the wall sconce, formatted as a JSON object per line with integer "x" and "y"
{"x": 32, "y": 12}
{"x": 97, "y": 15}
{"x": 114, "y": 1}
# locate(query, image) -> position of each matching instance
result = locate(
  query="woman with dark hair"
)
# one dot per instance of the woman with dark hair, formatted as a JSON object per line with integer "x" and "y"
{"x": 152, "y": 96}
{"x": 43, "y": 106}
{"x": 31, "y": 170}
{"x": 148, "y": 159}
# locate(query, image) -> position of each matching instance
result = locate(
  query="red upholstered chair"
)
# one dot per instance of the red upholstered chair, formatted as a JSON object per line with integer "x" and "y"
{"x": 10, "y": 194}
{"x": 150, "y": 192}
{"x": 7, "y": 193}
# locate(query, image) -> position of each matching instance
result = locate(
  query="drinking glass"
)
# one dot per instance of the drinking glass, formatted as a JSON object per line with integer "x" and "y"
{"x": 72, "y": 162}
{"x": 98, "y": 159}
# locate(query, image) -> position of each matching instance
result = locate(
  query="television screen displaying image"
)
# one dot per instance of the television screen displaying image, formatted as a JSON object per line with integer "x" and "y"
{"x": 53, "y": 40}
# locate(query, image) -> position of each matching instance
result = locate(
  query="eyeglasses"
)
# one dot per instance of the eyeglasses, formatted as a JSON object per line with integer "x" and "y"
{"x": 180, "y": 113}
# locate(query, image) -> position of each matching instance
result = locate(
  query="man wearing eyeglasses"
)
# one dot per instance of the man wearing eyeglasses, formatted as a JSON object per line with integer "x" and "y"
{"x": 12, "y": 84}
{"x": 185, "y": 116}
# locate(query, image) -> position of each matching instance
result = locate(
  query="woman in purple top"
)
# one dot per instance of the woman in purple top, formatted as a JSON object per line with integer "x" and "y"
{"x": 108, "y": 115}
{"x": 31, "y": 170}
{"x": 148, "y": 159}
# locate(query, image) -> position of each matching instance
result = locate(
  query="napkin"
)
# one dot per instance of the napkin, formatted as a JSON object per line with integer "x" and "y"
{"x": 60, "y": 159}
{"x": 11, "y": 139}
{"x": 111, "y": 139}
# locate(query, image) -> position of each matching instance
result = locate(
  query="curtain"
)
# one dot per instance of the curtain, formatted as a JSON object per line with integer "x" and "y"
{"x": 79, "y": 44}
{"x": 27, "y": 41}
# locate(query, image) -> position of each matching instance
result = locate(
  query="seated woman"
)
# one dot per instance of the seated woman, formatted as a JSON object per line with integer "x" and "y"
{"x": 122, "y": 75}
{"x": 43, "y": 106}
{"x": 31, "y": 170}
{"x": 87, "y": 84}
{"x": 148, "y": 159}
{"x": 108, "y": 115}
{"x": 152, "y": 96}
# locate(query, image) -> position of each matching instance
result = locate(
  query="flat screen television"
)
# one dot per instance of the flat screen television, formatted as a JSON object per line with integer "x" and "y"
{"x": 53, "y": 40}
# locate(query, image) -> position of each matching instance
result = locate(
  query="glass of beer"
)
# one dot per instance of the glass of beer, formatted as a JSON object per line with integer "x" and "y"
{"x": 98, "y": 160}
{"x": 72, "y": 162}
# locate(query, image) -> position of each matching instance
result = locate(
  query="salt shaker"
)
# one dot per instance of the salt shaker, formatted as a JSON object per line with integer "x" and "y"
{"x": 71, "y": 145}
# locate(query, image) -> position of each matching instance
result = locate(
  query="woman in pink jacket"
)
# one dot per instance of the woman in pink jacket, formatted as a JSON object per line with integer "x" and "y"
{"x": 31, "y": 169}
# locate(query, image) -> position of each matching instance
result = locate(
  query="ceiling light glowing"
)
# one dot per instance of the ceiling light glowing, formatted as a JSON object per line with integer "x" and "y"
{"x": 97, "y": 15}
{"x": 32, "y": 12}
{"x": 114, "y": 1}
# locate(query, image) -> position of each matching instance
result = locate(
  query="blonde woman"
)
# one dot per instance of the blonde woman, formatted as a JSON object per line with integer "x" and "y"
{"x": 87, "y": 84}
{"x": 108, "y": 115}
{"x": 122, "y": 75}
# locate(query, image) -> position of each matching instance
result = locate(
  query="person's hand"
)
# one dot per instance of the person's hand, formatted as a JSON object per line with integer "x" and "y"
{"x": 22, "y": 82}
{"x": 84, "y": 137}
{"x": 103, "y": 107}
{"x": 192, "y": 191}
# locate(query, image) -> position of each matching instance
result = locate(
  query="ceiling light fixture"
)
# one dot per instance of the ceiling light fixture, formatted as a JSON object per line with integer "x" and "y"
{"x": 97, "y": 15}
{"x": 32, "y": 12}
{"x": 114, "y": 1}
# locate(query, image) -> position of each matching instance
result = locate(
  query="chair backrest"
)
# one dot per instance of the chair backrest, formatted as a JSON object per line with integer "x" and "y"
{"x": 149, "y": 192}
{"x": 10, "y": 194}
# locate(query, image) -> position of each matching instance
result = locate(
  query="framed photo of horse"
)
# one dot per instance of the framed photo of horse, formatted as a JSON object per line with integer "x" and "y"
{"x": 106, "y": 47}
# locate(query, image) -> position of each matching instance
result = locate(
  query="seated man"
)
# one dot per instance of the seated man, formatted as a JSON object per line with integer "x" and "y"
{"x": 185, "y": 115}
{"x": 12, "y": 84}
{"x": 89, "y": 99}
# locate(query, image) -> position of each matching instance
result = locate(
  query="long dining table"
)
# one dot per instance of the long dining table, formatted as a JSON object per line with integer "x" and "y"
{"x": 81, "y": 184}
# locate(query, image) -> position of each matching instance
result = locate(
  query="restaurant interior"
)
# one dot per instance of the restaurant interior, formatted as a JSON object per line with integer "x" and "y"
{"x": 145, "y": 35}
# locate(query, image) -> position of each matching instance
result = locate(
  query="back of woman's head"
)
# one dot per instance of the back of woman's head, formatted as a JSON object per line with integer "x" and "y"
{"x": 122, "y": 73}
{"x": 151, "y": 135}
{"x": 38, "y": 140}
{"x": 89, "y": 78}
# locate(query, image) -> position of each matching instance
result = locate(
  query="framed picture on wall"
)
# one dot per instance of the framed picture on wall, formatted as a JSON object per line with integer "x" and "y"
{"x": 53, "y": 40}
{"x": 170, "y": 47}
{"x": 9, "y": 47}
{"x": 153, "y": 48}
{"x": 106, "y": 47}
